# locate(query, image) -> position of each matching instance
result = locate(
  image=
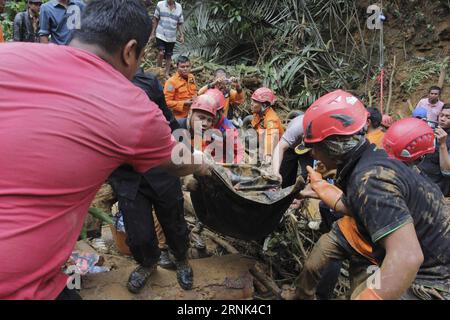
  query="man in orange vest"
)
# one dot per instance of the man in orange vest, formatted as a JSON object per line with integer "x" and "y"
{"x": 180, "y": 89}
{"x": 266, "y": 122}
{"x": 375, "y": 132}
{"x": 2, "y": 6}
{"x": 233, "y": 97}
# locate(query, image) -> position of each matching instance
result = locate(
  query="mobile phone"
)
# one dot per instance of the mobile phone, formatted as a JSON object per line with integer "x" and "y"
{"x": 432, "y": 124}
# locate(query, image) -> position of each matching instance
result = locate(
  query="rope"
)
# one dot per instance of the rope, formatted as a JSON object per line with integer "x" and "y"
{"x": 381, "y": 59}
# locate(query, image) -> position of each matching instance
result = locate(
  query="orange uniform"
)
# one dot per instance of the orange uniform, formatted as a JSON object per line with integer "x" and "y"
{"x": 1, "y": 34}
{"x": 177, "y": 90}
{"x": 269, "y": 124}
{"x": 376, "y": 137}
{"x": 233, "y": 98}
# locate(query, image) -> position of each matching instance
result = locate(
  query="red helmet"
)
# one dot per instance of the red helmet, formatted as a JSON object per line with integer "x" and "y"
{"x": 336, "y": 113}
{"x": 264, "y": 95}
{"x": 205, "y": 103}
{"x": 409, "y": 139}
{"x": 218, "y": 96}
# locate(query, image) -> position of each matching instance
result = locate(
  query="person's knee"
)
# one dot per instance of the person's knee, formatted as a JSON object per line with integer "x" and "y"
{"x": 310, "y": 265}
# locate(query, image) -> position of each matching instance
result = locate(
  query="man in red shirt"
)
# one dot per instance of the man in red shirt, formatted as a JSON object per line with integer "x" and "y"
{"x": 66, "y": 123}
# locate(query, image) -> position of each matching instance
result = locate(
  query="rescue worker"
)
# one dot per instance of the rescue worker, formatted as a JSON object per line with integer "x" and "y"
{"x": 2, "y": 6}
{"x": 266, "y": 122}
{"x": 397, "y": 219}
{"x": 437, "y": 166}
{"x": 231, "y": 89}
{"x": 200, "y": 119}
{"x": 233, "y": 151}
{"x": 180, "y": 89}
{"x": 139, "y": 194}
{"x": 409, "y": 140}
{"x": 201, "y": 115}
{"x": 290, "y": 152}
{"x": 374, "y": 131}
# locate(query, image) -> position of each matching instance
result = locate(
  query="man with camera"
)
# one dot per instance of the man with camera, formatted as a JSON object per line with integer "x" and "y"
{"x": 437, "y": 165}
{"x": 231, "y": 89}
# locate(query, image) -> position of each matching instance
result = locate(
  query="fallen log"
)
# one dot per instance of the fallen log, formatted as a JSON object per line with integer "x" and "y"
{"x": 223, "y": 243}
{"x": 443, "y": 73}
{"x": 258, "y": 272}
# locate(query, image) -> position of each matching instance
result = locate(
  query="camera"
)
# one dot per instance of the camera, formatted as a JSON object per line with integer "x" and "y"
{"x": 433, "y": 124}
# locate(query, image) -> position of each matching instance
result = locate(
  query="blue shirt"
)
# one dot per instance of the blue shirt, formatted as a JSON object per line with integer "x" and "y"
{"x": 58, "y": 22}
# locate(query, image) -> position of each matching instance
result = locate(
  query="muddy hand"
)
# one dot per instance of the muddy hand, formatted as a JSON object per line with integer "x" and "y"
{"x": 313, "y": 175}
{"x": 308, "y": 192}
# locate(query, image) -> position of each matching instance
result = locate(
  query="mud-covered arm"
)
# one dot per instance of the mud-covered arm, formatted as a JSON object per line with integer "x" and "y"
{"x": 331, "y": 195}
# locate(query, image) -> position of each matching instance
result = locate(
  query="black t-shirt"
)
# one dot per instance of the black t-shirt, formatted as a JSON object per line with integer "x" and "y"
{"x": 384, "y": 194}
{"x": 431, "y": 167}
{"x": 124, "y": 179}
{"x": 154, "y": 90}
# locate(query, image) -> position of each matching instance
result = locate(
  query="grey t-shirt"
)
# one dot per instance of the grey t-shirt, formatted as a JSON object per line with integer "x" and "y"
{"x": 294, "y": 132}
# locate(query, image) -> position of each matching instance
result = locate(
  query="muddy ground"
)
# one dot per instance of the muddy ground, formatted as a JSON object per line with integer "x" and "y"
{"x": 216, "y": 277}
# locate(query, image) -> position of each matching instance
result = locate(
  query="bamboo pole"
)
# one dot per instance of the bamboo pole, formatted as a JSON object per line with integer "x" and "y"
{"x": 443, "y": 74}
{"x": 391, "y": 81}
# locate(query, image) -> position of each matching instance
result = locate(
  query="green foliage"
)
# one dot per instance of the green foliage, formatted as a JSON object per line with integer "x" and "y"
{"x": 421, "y": 69}
{"x": 7, "y": 18}
{"x": 292, "y": 42}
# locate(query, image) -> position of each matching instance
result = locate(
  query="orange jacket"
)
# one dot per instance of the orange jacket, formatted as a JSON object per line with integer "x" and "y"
{"x": 177, "y": 90}
{"x": 233, "y": 99}
{"x": 270, "y": 125}
{"x": 376, "y": 137}
{"x": 2, "y": 39}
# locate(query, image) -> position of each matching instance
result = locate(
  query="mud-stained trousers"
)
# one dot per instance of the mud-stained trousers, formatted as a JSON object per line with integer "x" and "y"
{"x": 159, "y": 190}
{"x": 333, "y": 247}
{"x": 328, "y": 251}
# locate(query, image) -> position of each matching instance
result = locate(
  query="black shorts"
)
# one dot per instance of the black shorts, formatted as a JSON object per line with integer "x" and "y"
{"x": 167, "y": 47}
